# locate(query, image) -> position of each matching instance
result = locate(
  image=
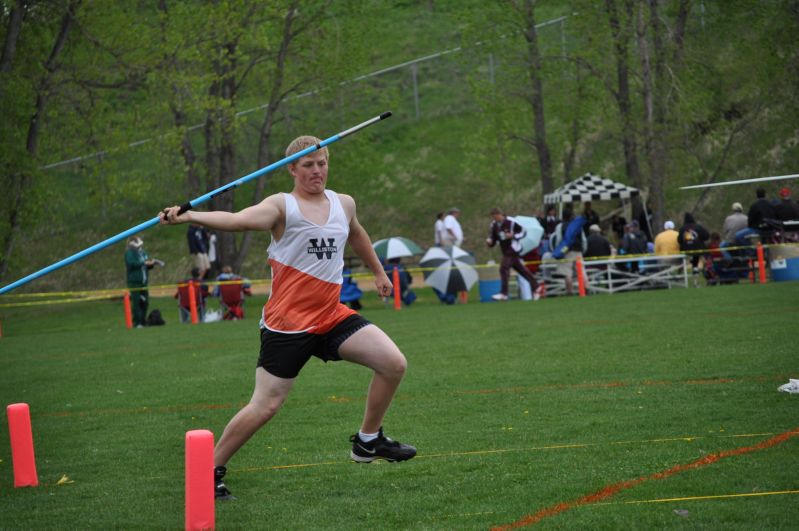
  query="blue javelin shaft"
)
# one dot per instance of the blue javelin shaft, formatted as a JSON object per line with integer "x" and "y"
{"x": 191, "y": 204}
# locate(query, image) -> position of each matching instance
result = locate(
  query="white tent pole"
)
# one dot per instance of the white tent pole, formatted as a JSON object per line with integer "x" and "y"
{"x": 648, "y": 224}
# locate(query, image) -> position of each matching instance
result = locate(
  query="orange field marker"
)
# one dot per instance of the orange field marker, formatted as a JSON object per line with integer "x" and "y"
{"x": 19, "y": 429}
{"x": 128, "y": 313}
{"x": 200, "y": 480}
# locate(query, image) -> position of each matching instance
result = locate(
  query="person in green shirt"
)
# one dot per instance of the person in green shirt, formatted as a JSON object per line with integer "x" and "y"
{"x": 138, "y": 264}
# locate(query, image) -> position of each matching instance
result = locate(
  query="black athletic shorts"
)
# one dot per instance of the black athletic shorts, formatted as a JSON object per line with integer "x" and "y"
{"x": 283, "y": 355}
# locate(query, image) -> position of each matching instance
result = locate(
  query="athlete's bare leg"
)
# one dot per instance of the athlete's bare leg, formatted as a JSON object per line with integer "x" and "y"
{"x": 269, "y": 395}
{"x": 372, "y": 348}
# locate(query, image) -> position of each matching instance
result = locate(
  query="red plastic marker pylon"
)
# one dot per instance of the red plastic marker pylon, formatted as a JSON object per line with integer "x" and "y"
{"x": 751, "y": 272}
{"x": 19, "y": 429}
{"x": 580, "y": 278}
{"x": 396, "y": 280}
{"x": 200, "y": 480}
{"x": 761, "y": 263}
{"x": 128, "y": 314}
{"x": 192, "y": 303}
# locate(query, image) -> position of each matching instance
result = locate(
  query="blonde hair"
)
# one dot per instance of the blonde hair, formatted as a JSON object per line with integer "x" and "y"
{"x": 304, "y": 142}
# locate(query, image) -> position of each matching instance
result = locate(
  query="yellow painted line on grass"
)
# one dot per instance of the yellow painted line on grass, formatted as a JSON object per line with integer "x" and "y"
{"x": 494, "y": 451}
{"x": 711, "y": 497}
{"x": 635, "y": 502}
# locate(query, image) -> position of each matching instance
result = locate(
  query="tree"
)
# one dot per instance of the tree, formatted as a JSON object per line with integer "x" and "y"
{"x": 31, "y": 89}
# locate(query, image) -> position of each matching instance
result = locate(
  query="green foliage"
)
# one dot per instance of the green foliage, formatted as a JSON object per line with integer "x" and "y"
{"x": 514, "y": 408}
{"x": 460, "y": 134}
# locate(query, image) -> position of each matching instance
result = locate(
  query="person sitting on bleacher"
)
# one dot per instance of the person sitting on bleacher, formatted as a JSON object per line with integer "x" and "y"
{"x": 231, "y": 293}
{"x": 787, "y": 211}
{"x": 200, "y": 293}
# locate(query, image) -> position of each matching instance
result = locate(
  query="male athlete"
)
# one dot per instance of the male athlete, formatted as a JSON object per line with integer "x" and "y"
{"x": 303, "y": 317}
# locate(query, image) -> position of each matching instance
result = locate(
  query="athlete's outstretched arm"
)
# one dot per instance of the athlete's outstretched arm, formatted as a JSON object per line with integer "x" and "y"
{"x": 362, "y": 245}
{"x": 264, "y": 216}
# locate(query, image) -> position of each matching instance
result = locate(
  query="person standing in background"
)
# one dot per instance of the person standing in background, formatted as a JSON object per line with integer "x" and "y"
{"x": 198, "y": 248}
{"x": 212, "y": 257}
{"x": 454, "y": 232}
{"x": 439, "y": 232}
{"x": 138, "y": 264}
{"x": 591, "y": 217}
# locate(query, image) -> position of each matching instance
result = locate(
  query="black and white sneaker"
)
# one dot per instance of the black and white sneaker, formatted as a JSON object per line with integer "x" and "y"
{"x": 221, "y": 492}
{"x": 380, "y": 448}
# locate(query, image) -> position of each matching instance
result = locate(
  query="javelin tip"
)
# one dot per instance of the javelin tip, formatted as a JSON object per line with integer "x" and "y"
{"x": 385, "y": 115}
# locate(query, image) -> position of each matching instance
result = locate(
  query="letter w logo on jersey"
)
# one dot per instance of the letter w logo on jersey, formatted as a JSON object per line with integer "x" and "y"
{"x": 321, "y": 248}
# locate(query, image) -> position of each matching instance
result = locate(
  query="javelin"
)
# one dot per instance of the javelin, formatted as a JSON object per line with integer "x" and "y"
{"x": 191, "y": 204}
{"x": 744, "y": 181}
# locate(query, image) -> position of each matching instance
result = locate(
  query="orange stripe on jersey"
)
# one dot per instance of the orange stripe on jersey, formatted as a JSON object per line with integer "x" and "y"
{"x": 302, "y": 303}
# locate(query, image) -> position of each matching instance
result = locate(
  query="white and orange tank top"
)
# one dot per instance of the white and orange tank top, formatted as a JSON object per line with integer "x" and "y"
{"x": 306, "y": 267}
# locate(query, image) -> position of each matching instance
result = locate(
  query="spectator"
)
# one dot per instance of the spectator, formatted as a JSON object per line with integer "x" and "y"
{"x": 568, "y": 244}
{"x": 200, "y": 294}
{"x": 438, "y": 229}
{"x": 198, "y": 248}
{"x": 508, "y": 233}
{"x": 733, "y": 223}
{"x": 550, "y": 222}
{"x": 405, "y": 279}
{"x": 350, "y": 292}
{"x": 597, "y": 246}
{"x": 634, "y": 242}
{"x": 231, "y": 293}
{"x": 454, "y": 232}
{"x": 617, "y": 224}
{"x": 531, "y": 261}
{"x": 666, "y": 242}
{"x": 137, "y": 264}
{"x": 692, "y": 237}
{"x": 591, "y": 217}
{"x": 760, "y": 212}
{"x": 787, "y": 209}
{"x": 713, "y": 260}
{"x": 212, "y": 256}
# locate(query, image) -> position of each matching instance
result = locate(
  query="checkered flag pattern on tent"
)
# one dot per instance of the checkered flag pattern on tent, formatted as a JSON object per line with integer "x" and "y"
{"x": 590, "y": 188}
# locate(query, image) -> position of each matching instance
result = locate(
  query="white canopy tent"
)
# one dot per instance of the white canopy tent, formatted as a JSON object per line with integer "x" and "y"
{"x": 592, "y": 188}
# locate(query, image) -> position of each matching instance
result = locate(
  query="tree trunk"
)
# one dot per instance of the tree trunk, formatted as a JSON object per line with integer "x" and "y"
{"x": 647, "y": 93}
{"x": 225, "y": 110}
{"x": 659, "y": 154}
{"x": 571, "y": 154}
{"x": 23, "y": 177}
{"x": 179, "y": 115}
{"x": 622, "y": 94}
{"x": 276, "y": 98}
{"x": 12, "y": 35}
{"x": 537, "y": 99}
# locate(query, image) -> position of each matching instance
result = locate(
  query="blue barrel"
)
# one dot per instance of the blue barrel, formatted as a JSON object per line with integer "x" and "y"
{"x": 782, "y": 269}
{"x": 488, "y": 288}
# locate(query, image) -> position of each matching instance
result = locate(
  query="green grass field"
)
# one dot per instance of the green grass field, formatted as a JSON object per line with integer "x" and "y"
{"x": 564, "y": 413}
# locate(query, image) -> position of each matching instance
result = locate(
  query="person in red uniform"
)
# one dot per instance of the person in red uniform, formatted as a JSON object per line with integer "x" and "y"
{"x": 508, "y": 233}
{"x": 303, "y": 317}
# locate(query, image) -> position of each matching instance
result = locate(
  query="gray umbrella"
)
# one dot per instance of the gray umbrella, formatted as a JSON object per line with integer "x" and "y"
{"x": 449, "y": 269}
